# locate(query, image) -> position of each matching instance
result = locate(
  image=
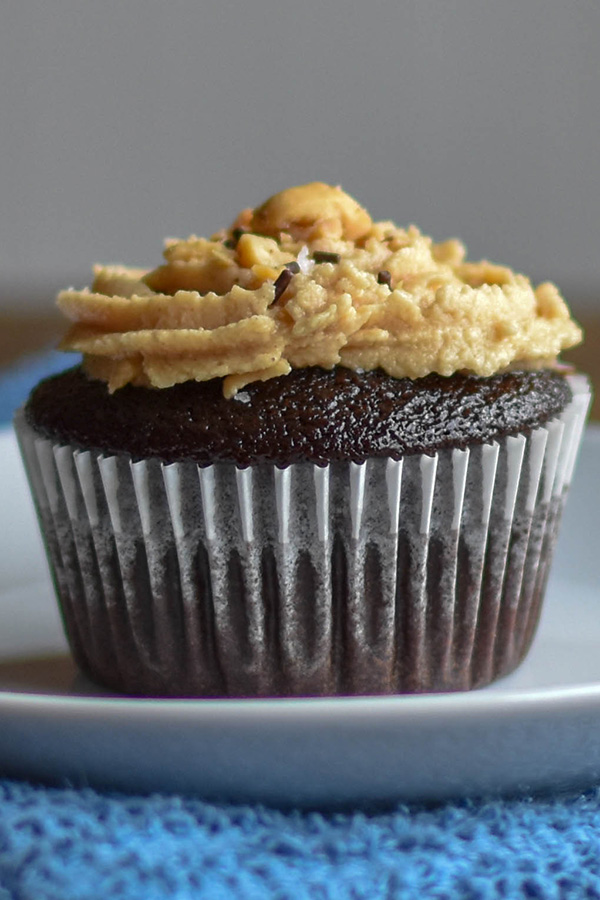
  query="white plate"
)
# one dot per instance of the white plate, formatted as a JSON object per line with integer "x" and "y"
{"x": 539, "y": 728}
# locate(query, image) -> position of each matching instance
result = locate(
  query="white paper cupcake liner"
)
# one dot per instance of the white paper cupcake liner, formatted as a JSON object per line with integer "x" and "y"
{"x": 422, "y": 574}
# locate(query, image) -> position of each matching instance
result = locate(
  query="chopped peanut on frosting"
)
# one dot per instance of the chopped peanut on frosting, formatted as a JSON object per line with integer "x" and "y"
{"x": 308, "y": 279}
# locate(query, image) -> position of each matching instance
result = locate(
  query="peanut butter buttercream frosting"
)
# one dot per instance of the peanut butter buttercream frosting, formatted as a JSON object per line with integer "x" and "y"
{"x": 309, "y": 279}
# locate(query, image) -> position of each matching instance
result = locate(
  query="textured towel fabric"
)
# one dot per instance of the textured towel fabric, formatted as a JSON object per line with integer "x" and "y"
{"x": 79, "y": 845}
{"x": 58, "y": 844}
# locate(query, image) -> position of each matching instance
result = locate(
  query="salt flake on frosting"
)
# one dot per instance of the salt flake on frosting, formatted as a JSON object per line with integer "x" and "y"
{"x": 304, "y": 261}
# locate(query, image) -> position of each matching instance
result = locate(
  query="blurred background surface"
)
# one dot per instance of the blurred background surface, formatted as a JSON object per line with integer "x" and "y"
{"x": 121, "y": 123}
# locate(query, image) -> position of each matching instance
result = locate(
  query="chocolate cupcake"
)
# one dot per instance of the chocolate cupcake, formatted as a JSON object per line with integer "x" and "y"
{"x": 313, "y": 455}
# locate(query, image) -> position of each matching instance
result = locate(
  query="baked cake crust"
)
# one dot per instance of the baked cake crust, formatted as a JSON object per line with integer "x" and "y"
{"x": 309, "y": 415}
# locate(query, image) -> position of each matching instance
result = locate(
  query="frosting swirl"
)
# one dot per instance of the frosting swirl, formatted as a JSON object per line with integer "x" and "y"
{"x": 308, "y": 279}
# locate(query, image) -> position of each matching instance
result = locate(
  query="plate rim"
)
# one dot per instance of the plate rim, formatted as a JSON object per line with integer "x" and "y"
{"x": 467, "y": 702}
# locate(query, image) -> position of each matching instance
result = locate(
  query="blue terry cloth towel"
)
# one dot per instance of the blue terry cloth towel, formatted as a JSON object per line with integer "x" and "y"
{"x": 63, "y": 844}
{"x": 66, "y": 844}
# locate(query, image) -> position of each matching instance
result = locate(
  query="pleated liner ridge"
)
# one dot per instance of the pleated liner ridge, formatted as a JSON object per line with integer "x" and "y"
{"x": 422, "y": 574}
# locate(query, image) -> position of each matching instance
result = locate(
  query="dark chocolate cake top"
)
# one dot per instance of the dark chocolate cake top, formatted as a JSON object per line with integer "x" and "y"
{"x": 309, "y": 415}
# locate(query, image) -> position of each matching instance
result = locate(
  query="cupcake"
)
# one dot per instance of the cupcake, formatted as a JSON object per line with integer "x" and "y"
{"x": 313, "y": 455}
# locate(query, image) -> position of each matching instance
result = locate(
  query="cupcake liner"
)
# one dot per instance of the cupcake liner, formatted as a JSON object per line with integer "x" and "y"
{"x": 421, "y": 574}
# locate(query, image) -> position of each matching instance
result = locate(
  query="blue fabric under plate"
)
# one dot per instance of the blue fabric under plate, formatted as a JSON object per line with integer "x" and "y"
{"x": 64, "y": 844}
{"x": 79, "y": 845}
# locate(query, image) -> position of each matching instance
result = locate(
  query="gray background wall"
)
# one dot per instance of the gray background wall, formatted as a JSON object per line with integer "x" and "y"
{"x": 123, "y": 122}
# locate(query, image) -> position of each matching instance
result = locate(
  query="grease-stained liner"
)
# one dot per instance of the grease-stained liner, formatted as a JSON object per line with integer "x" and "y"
{"x": 422, "y": 574}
